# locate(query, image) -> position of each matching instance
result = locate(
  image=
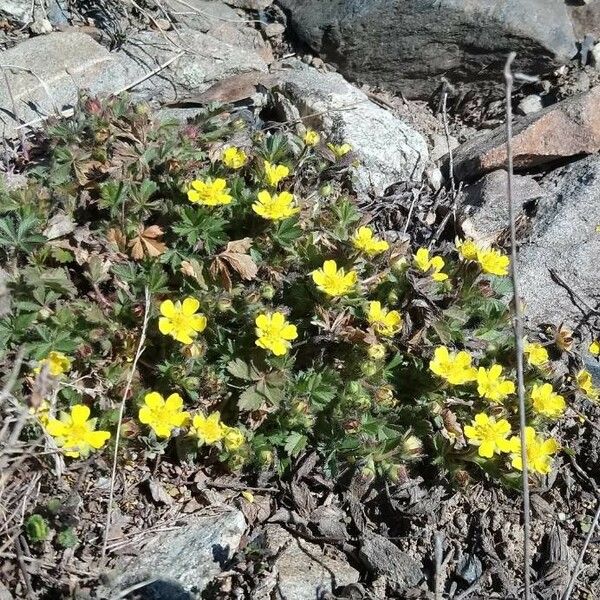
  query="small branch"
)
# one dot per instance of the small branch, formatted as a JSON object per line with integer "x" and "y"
{"x": 586, "y": 543}
{"x": 518, "y": 328}
{"x": 140, "y": 349}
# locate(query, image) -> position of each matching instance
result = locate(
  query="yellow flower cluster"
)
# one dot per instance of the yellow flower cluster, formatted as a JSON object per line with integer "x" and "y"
{"x": 75, "y": 433}
{"x": 274, "y": 333}
{"x": 491, "y": 438}
{"x": 455, "y": 368}
{"x": 211, "y": 430}
{"x": 365, "y": 240}
{"x": 56, "y": 364}
{"x": 546, "y": 401}
{"x": 490, "y": 260}
{"x": 536, "y": 354}
{"x": 428, "y": 264}
{"x": 586, "y": 385}
{"x": 311, "y": 137}
{"x": 594, "y": 348}
{"x": 274, "y": 173}
{"x": 491, "y": 384}
{"x": 339, "y": 150}
{"x": 234, "y": 158}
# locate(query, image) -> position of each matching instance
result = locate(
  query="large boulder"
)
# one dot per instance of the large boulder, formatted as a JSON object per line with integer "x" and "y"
{"x": 408, "y": 45}
{"x": 564, "y": 239}
{"x": 388, "y": 149}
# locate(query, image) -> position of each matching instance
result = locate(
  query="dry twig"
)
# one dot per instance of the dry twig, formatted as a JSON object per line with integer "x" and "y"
{"x": 518, "y": 327}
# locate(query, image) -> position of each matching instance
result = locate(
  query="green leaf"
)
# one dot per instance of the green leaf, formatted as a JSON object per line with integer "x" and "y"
{"x": 251, "y": 399}
{"x": 243, "y": 370}
{"x": 295, "y": 443}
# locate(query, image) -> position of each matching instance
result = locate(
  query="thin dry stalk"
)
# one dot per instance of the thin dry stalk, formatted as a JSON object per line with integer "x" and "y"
{"x": 450, "y": 155}
{"x": 579, "y": 562}
{"x": 138, "y": 354}
{"x": 518, "y": 328}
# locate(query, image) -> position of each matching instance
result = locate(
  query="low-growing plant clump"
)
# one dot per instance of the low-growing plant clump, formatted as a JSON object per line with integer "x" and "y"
{"x": 276, "y": 320}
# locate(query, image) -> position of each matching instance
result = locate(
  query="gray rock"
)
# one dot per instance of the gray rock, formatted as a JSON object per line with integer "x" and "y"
{"x": 387, "y": 148}
{"x": 530, "y": 104}
{"x": 440, "y": 148}
{"x": 185, "y": 560}
{"x": 483, "y": 207}
{"x": 58, "y": 12}
{"x": 408, "y": 45}
{"x": 40, "y": 27}
{"x": 596, "y": 56}
{"x": 384, "y": 558}
{"x": 302, "y": 571}
{"x": 19, "y": 10}
{"x": 202, "y": 14}
{"x": 250, "y": 4}
{"x": 564, "y": 238}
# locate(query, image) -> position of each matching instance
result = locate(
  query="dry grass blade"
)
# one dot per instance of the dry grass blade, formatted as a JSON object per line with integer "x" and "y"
{"x": 518, "y": 327}
{"x": 138, "y": 354}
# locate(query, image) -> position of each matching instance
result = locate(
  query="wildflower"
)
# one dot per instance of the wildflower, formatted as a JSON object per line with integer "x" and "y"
{"x": 275, "y": 207}
{"x": 491, "y": 384}
{"x": 467, "y": 249}
{"x": 539, "y": 452}
{"x": 413, "y": 446}
{"x": 311, "y": 137}
{"x": 162, "y": 416}
{"x": 56, "y": 363}
{"x": 537, "y": 355}
{"x": 366, "y": 242}
{"x": 334, "y": 281}
{"x": 75, "y": 433}
{"x": 383, "y": 321}
{"x": 275, "y": 173}
{"x": 376, "y": 351}
{"x": 490, "y": 435}
{"x": 41, "y": 412}
{"x": 454, "y": 368}
{"x": 546, "y": 401}
{"x": 586, "y": 385}
{"x": 274, "y": 333}
{"x": 234, "y": 158}
{"x": 493, "y": 261}
{"x": 208, "y": 430}
{"x": 181, "y": 320}
{"x": 234, "y": 439}
{"x": 594, "y": 348}
{"x": 209, "y": 192}
{"x": 435, "y": 263}
{"x": 339, "y": 149}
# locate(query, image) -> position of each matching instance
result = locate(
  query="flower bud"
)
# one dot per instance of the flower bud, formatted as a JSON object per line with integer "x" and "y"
{"x": 369, "y": 368}
{"x": 267, "y": 291}
{"x": 265, "y": 457}
{"x": 376, "y": 351}
{"x": 400, "y": 266}
{"x": 385, "y": 396}
{"x": 392, "y": 298}
{"x": 224, "y": 305}
{"x": 326, "y": 190}
{"x": 413, "y": 446}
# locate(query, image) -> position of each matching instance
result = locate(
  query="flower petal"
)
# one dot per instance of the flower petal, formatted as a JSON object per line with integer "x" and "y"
{"x": 190, "y": 306}
{"x": 80, "y": 413}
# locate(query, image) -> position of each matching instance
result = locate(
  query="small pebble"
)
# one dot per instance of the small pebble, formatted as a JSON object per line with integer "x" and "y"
{"x": 163, "y": 24}
{"x": 530, "y": 104}
{"x": 40, "y": 27}
{"x": 561, "y": 516}
{"x": 272, "y": 30}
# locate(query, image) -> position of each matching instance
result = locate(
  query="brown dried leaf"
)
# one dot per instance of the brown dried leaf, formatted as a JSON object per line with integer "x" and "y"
{"x": 242, "y": 264}
{"x": 117, "y": 238}
{"x": 146, "y": 242}
{"x": 220, "y": 271}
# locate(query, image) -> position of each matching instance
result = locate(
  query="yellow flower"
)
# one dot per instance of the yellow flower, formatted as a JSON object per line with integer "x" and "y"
{"x": 546, "y": 401}
{"x": 491, "y": 384}
{"x": 275, "y": 207}
{"x": 161, "y": 415}
{"x": 435, "y": 264}
{"x": 74, "y": 433}
{"x": 467, "y": 249}
{"x": 594, "y": 348}
{"x": 180, "y": 321}
{"x": 536, "y": 354}
{"x": 311, "y": 137}
{"x": 334, "y": 281}
{"x": 209, "y": 192}
{"x": 209, "y": 430}
{"x": 234, "y": 439}
{"x": 493, "y": 261}
{"x": 275, "y": 173}
{"x": 366, "y": 242}
{"x": 376, "y": 351}
{"x": 339, "y": 149}
{"x": 274, "y": 333}
{"x": 234, "y": 158}
{"x": 383, "y": 321}
{"x": 489, "y": 435}
{"x": 56, "y": 363}
{"x": 454, "y": 368}
{"x": 586, "y": 385}
{"x": 539, "y": 452}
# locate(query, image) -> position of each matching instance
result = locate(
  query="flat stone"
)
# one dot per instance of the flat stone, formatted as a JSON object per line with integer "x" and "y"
{"x": 408, "y": 45}
{"x": 388, "y": 149}
{"x": 302, "y": 570}
{"x": 564, "y": 238}
{"x": 530, "y": 104}
{"x": 563, "y": 130}
{"x": 384, "y": 558}
{"x": 19, "y": 10}
{"x": 483, "y": 207}
{"x": 65, "y": 62}
{"x": 182, "y": 561}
